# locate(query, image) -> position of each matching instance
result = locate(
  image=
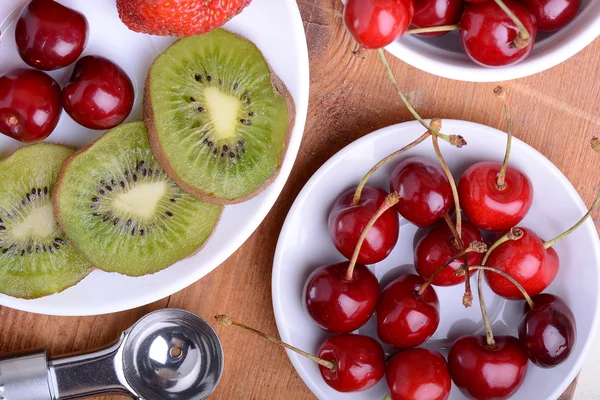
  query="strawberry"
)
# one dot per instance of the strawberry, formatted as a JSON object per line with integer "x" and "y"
{"x": 178, "y": 17}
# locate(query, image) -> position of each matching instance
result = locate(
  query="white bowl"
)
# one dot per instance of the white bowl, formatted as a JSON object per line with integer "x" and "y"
{"x": 444, "y": 56}
{"x": 304, "y": 244}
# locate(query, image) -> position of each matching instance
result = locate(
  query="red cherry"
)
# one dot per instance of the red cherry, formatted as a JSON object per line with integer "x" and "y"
{"x": 483, "y": 372}
{"x": 29, "y": 105}
{"x": 100, "y": 94}
{"x": 425, "y": 193}
{"x": 404, "y": 318}
{"x": 359, "y": 362}
{"x": 338, "y": 305}
{"x": 437, "y": 246}
{"x": 418, "y": 374}
{"x": 49, "y": 35}
{"x": 429, "y": 13}
{"x": 346, "y": 223}
{"x": 486, "y": 205}
{"x": 552, "y": 15}
{"x": 377, "y": 23}
{"x": 547, "y": 331}
{"x": 488, "y": 34}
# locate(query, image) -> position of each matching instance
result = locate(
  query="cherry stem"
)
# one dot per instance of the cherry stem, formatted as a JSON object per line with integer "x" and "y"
{"x": 436, "y": 123}
{"x": 501, "y": 94}
{"x": 552, "y": 242}
{"x": 455, "y": 140}
{"x": 523, "y": 39}
{"x": 440, "y": 157}
{"x": 390, "y": 200}
{"x": 507, "y": 276}
{"x": 468, "y": 295}
{"x": 431, "y": 29}
{"x": 227, "y": 321}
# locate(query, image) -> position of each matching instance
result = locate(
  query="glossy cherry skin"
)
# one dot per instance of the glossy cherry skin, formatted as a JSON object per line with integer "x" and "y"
{"x": 377, "y": 23}
{"x": 487, "y": 206}
{"x": 30, "y": 105}
{"x": 437, "y": 246}
{"x": 405, "y": 319}
{"x": 485, "y": 373}
{"x": 552, "y": 15}
{"x": 347, "y": 222}
{"x": 487, "y": 33}
{"x": 49, "y": 35}
{"x": 360, "y": 362}
{"x": 430, "y": 13}
{"x": 425, "y": 193}
{"x": 548, "y": 331}
{"x": 418, "y": 374}
{"x": 339, "y": 306}
{"x": 99, "y": 95}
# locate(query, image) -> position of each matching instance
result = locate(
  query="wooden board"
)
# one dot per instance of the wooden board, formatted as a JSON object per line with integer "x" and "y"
{"x": 556, "y": 112}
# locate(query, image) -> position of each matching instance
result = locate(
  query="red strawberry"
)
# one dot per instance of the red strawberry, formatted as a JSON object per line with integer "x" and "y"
{"x": 178, "y": 17}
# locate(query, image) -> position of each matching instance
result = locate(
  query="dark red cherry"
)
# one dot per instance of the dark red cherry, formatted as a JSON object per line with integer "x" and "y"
{"x": 429, "y": 13}
{"x": 485, "y": 373}
{"x": 49, "y": 35}
{"x": 377, "y": 23}
{"x": 548, "y": 331}
{"x": 338, "y": 305}
{"x": 418, "y": 374}
{"x": 347, "y": 222}
{"x": 487, "y": 33}
{"x": 99, "y": 95}
{"x": 359, "y": 360}
{"x": 29, "y": 105}
{"x": 404, "y": 318}
{"x": 552, "y": 15}
{"x": 489, "y": 207}
{"x": 438, "y": 245}
{"x": 425, "y": 193}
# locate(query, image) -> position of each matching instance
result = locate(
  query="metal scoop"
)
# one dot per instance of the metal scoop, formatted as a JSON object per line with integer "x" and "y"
{"x": 169, "y": 354}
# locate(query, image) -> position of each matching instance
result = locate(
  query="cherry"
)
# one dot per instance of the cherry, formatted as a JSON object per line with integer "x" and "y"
{"x": 30, "y": 105}
{"x": 99, "y": 94}
{"x": 425, "y": 193}
{"x": 406, "y": 318}
{"x": 431, "y": 13}
{"x": 49, "y": 35}
{"x": 347, "y": 221}
{"x": 552, "y": 15}
{"x": 376, "y": 23}
{"x": 547, "y": 331}
{"x": 418, "y": 374}
{"x": 482, "y": 371}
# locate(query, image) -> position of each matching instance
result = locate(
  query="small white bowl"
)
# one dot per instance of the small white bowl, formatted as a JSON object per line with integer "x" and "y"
{"x": 444, "y": 56}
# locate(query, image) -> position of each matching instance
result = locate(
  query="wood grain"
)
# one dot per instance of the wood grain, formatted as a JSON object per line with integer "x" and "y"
{"x": 556, "y": 112}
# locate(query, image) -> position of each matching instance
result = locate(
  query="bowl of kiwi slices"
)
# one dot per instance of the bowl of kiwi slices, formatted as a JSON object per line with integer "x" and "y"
{"x": 99, "y": 221}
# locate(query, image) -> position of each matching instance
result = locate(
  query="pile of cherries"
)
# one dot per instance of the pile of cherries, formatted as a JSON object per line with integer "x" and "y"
{"x": 50, "y": 36}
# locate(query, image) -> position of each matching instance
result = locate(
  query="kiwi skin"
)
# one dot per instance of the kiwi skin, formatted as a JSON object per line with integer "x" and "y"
{"x": 159, "y": 153}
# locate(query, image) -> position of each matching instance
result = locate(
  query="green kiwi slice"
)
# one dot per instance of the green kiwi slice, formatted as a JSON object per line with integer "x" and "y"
{"x": 123, "y": 212}
{"x": 218, "y": 118}
{"x": 36, "y": 258}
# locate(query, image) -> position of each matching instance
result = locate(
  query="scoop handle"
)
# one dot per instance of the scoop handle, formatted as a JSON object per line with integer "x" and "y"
{"x": 24, "y": 376}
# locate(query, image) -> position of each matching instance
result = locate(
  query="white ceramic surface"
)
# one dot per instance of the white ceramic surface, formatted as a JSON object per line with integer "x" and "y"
{"x": 304, "y": 244}
{"x": 276, "y": 27}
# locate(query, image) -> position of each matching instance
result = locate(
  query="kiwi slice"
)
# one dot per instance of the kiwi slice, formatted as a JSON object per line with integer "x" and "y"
{"x": 123, "y": 212}
{"x": 218, "y": 118}
{"x": 36, "y": 258}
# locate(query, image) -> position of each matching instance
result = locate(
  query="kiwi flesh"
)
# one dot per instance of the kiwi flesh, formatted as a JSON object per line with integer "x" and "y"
{"x": 123, "y": 212}
{"x": 36, "y": 259}
{"x": 218, "y": 118}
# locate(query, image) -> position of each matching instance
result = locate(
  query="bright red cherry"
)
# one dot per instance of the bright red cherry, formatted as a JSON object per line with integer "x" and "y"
{"x": 29, "y": 105}
{"x": 418, "y": 374}
{"x": 99, "y": 95}
{"x": 377, "y": 23}
{"x": 49, "y": 35}
{"x": 548, "y": 331}
{"x": 487, "y": 372}
{"x": 359, "y": 362}
{"x": 429, "y": 13}
{"x": 405, "y": 318}
{"x": 552, "y": 15}
{"x": 488, "y": 34}
{"x": 425, "y": 193}
{"x": 488, "y": 206}
{"x": 438, "y": 245}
